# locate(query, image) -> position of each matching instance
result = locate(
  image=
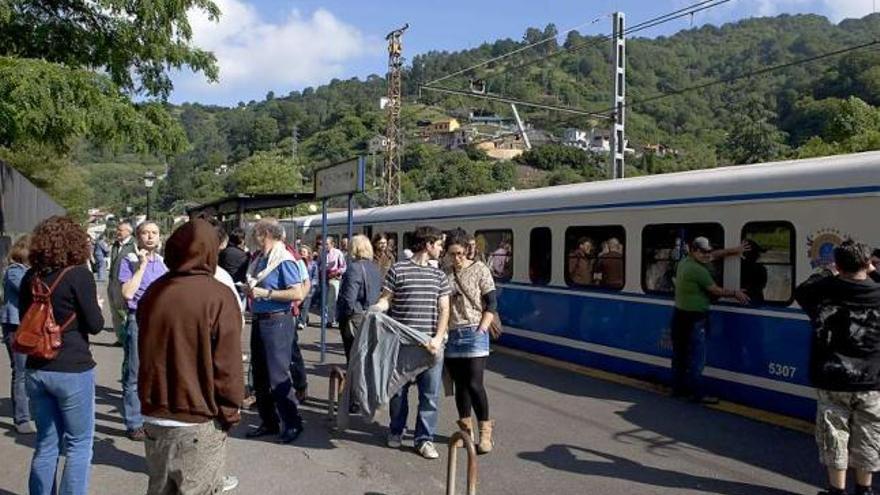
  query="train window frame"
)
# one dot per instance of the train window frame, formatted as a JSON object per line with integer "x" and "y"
{"x": 792, "y": 250}
{"x": 719, "y": 264}
{"x": 545, "y": 279}
{"x": 486, "y": 255}
{"x": 570, "y": 244}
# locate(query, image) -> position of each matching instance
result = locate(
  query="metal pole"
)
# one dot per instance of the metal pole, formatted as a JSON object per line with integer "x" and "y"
{"x": 618, "y": 125}
{"x": 350, "y": 219}
{"x": 323, "y": 280}
{"x": 148, "y": 203}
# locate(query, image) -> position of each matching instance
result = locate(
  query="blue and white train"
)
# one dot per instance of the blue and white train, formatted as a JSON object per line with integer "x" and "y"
{"x": 555, "y": 300}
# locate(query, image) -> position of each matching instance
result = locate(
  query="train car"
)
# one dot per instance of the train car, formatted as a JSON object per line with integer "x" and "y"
{"x": 585, "y": 271}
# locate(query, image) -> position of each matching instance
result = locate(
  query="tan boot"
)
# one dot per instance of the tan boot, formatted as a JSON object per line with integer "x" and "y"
{"x": 486, "y": 442}
{"x": 466, "y": 425}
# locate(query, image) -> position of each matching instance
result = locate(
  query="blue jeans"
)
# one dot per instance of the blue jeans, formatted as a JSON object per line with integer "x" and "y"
{"x": 20, "y": 410}
{"x": 428, "y": 383}
{"x": 689, "y": 330}
{"x": 131, "y": 404}
{"x": 271, "y": 342}
{"x": 64, "y": 412}
{"x": 306, "y": 306}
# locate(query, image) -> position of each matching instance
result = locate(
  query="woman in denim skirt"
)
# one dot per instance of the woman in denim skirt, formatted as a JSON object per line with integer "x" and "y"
{"x": 472, "y": 307}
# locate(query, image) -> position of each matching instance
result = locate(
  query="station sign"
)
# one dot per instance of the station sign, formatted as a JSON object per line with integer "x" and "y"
{"x": 340, "y": 179}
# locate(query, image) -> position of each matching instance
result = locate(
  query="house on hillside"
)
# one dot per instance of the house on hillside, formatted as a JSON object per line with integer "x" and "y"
{"x": 594, "y": 141}
{"x": 487, "y": 118}
{"x": 441, "y": 127}
{"x": 659, "y": 150}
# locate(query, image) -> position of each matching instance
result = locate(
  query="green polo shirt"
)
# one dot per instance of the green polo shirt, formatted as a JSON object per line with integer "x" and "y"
{"x": 692, "y": 282}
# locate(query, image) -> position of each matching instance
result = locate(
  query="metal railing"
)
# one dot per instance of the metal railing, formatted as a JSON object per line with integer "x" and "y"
{"x": 334, "y": 391}
{"x": 451, "y": 467}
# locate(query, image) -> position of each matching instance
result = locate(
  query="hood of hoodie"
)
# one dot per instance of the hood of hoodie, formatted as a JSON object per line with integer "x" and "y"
{"x": 192, "y": 249}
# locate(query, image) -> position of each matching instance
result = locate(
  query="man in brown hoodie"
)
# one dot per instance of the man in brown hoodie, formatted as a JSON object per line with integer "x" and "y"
{"x": 190, "y": 379}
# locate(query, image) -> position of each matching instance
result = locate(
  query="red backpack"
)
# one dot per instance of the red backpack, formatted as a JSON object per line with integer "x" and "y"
{"x": 38, "y": 334}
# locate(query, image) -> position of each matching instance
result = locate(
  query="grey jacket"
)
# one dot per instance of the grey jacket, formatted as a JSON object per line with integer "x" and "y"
{"x": 385, "y": 356}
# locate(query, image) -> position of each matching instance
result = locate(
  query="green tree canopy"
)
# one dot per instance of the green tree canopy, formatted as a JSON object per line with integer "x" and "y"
{"x": 135, "y": 42}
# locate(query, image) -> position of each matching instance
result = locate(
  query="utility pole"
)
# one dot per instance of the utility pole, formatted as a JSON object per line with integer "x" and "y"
{"x": 294, "y": 147}
{"x": 393, "y": 133}
{"x": 522, "y": 128}
{"x": 618, "y": 122}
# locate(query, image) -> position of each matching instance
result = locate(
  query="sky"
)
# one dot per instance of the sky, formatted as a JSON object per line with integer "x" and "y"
{"x": 281, "y": 46}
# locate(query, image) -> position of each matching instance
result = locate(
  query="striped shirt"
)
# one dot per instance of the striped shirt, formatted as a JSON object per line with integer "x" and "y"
{"x": 416, "y": 290}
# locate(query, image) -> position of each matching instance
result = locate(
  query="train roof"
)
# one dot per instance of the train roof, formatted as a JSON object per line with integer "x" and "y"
{"x": 848, "y": 174}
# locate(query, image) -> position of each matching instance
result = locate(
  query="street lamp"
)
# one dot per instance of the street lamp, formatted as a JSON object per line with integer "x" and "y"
{"x": 149, "y": 180}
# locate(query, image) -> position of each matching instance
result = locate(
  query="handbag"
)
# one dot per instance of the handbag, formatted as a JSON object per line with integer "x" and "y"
{"x": 496, "y": 328}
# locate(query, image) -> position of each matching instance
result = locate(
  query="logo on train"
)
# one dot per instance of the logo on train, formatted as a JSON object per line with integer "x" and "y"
{"x": 820, "y": 246}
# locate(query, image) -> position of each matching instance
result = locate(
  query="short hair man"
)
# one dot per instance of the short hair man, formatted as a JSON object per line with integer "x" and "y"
{"x": 417, "y": 295}
{"x": 843, "y": 302}
{"x": 190, "y": 375}
{"x": 694, "y": 290}
{"x": 136, "y": 273}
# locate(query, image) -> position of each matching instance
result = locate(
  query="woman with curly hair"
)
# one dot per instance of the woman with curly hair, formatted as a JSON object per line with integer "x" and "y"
{"x": 62, "y": 390}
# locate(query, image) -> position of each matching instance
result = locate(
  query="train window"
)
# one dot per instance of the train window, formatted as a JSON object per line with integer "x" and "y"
{"x": 664, "y": 245}
{"x": 767, "y": 269}
{"x": 496, "y": 248}
{"x": 407, "y": 243}
{"x": 540, "y": 255}
{"x": 595, "y": 256}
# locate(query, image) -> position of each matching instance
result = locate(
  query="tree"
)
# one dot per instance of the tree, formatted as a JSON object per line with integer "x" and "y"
{"x": 752, "y": 137}
{"x": 264, "y": 172}
{"x": 135, "y": 43}
{"x": 53, "y": 105}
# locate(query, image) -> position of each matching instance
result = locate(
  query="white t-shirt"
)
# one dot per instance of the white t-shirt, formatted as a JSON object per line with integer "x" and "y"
{"x": 225, "y": 278}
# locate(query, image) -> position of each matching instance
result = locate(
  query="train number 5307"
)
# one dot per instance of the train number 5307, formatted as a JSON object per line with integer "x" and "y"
{"x": 782, "y": 370}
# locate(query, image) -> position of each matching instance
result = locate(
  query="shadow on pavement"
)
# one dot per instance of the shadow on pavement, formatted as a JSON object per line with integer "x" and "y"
{"x": 104, "y": 450}
{"x": 665, "y": 426}
{"x": 595, "y": 463}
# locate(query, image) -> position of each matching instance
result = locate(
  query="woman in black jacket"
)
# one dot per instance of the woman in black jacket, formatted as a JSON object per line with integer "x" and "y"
{"x": 62, "y": 390}
{"x": 361, "y": 287}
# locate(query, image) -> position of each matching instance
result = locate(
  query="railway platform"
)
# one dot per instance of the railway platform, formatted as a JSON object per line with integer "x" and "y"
{"x": 560, "y": 430}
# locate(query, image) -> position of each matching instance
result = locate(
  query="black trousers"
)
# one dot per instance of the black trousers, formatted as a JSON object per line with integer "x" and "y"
{"x": 348, "y": 328}
{"x": 470, "y": 393}
{"x": 271, "y": 343}
{"x": 689, "y": 329}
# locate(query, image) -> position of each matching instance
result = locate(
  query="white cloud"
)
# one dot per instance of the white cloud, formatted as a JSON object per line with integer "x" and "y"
{"x": 837, "y": 10}
{"x": 256, "y": 55}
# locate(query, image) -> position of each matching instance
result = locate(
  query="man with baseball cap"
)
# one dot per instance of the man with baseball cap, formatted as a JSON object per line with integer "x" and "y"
{"x": 694, "y": 290}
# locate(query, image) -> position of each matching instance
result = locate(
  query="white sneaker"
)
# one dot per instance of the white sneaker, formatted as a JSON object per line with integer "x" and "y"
{"x": 428, "y": 451}
{"x": 394, "y": 441}
{"x": 229, "y": 483}
{"x": 26, "y": 428}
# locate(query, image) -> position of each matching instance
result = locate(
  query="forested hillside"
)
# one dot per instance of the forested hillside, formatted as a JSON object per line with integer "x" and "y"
{"x": 824, "y": 107}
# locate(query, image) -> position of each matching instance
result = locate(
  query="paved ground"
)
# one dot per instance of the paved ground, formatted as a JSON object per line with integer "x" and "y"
{"x": 558, "y": 433}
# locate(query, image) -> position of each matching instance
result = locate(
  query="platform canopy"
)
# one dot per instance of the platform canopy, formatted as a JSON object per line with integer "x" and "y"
{"x": 234, "y": 207}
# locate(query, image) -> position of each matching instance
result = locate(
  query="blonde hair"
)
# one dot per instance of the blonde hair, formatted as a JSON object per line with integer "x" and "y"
{"x": 361, "y": 247}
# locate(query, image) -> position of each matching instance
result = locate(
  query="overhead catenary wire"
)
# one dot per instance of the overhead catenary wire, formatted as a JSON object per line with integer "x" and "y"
{"x": 504, "y": 99}
{"x": 647, "y": 24}
{"x": 510, "y": 53}
{"x": 642, "y": 26}
{"x": 727, "y": 80}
